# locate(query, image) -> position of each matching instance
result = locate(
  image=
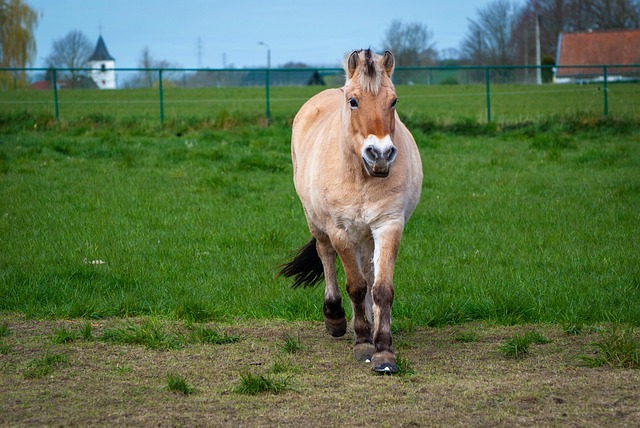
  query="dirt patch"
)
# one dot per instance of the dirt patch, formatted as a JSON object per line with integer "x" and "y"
{"x": 452, "y": 384}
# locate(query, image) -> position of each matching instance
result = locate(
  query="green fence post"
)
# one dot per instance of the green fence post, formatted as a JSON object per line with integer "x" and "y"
{"x": 267, "y": 95}
{"x": 161, "y": 97}
{"x": 606, "y": 93}
{"x": 488, "y": 91}
{"x": 55, "y": 95}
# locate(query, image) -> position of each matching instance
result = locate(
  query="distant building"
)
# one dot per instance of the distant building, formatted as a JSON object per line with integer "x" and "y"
{"x": 103, "y": 66}
{"x": 601, "y": 47}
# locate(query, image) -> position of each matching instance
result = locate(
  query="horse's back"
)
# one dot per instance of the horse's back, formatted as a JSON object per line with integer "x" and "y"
{"x": 318, "y": 111}
{"x": 315, "y": 128}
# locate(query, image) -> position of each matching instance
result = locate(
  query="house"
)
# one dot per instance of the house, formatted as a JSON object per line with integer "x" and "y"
{"x": 102, "y": 66}
{"x": 600, "y": 47}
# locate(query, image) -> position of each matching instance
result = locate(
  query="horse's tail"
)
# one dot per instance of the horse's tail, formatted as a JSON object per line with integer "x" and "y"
{"x": 306, "y": 266}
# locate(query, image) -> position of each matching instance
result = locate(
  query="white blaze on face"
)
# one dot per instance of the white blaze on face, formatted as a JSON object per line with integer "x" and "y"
{"x": 378, "y": 154}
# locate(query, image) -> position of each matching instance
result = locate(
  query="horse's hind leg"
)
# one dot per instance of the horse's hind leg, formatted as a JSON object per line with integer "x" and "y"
{"x": 357, "y": 289}
{"x": 334, "y": 318}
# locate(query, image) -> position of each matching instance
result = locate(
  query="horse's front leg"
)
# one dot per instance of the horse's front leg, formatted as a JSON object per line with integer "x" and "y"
{"x": 387, "y": 243}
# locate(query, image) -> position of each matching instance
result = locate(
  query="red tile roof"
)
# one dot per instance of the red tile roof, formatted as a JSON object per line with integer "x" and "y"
{"x": 598, "y": 48}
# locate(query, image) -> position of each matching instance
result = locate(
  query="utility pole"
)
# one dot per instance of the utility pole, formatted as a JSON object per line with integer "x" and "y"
{"x": 538, "y": 62}
{"x": 199, "y": 52}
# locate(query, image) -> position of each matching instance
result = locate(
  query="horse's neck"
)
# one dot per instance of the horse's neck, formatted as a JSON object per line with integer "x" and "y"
{"x": 349, "y": 161}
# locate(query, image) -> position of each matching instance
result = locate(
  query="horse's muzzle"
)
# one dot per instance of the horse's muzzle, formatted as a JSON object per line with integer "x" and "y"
{"x": 377, "y": 159}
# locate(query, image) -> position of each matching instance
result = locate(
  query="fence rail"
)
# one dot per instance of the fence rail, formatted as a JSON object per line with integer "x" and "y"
{"x": 238, "y": 86}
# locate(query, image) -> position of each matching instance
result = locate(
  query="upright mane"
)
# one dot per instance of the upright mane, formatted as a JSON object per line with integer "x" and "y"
{"x": 365, "y": 65}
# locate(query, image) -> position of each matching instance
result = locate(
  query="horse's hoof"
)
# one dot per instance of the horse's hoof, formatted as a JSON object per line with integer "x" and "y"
{"x": 386, "y": 368}
{"x": 364, "y": 352}
{"x": 384, "y": 363}
{"x": 336, "y": 328}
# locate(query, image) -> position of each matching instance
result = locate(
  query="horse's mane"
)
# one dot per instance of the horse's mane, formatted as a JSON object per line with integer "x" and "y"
{"x": 369, "y": 71}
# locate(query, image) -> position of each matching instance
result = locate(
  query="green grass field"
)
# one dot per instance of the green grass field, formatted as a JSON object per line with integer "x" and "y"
{"x": 442, "y": 104}
{"x": 534, "y": 219}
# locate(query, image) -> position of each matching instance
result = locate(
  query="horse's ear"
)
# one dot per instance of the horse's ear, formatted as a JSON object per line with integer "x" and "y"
{"x": 388, "y": 62}
{"x": 352, "y": 64}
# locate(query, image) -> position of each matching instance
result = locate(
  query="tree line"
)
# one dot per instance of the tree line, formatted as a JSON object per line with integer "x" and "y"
{"x": 500, "y": 33}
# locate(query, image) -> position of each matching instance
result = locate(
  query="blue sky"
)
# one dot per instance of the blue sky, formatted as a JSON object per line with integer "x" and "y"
{"x": 316, "y": 33}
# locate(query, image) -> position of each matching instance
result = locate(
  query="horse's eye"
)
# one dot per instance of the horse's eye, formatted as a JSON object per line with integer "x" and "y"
{"x": 353, "y": 103}
{"x": 393, "y": 104}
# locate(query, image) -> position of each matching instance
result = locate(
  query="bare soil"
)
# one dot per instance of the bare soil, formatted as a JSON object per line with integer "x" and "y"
{"x": 452, "y": 384}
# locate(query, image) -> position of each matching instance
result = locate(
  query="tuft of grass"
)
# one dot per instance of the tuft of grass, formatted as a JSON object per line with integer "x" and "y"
{"x": 177, "y": 383}
{"x": 251, "y": 384}
{"x": 210, "y": 335}
{"x": 87, "y": 332}
{"x": 150, "y": 334}
{"x": 62, "y": 335}
{"x": 534, "y": 337}
{"x": 41, "y": 367}
{"x": 4, "y": 330}
{"x": 518, "y": 346}
{"x": 292, "y": 345}
{"x": 281, "y": 366}
{"x": 405, "y": 366}
{"x": 573, "y": 329}
{"x": 467, "y": 336}
{"x": 618, "y": 346}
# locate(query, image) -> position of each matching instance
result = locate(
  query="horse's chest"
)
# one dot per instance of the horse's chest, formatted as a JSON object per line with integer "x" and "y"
{"x": 355, "y": 222}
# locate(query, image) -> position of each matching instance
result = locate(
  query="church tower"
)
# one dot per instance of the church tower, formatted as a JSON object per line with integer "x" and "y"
{"x": 102, "y": 66}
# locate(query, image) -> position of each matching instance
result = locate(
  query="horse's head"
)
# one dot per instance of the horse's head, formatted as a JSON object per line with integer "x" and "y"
{"x": 369, "y": 109}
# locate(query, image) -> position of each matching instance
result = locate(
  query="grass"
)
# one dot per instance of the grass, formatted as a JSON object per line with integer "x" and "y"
{"x": 451, "y": 383}
{"x": 291, "y": 345}
{"x": 62, "y": 335}
{"x": 225, "y": 108}
{"x": 212, "y": 336}
{"x": 150, "y": 334}
{"x": 44, "y": 366}
{"x": 518, "y": 346}
{"x": 532, "y": 221}
{"x": 618, "y": 346}
{"x": 468, "y": 336}
{"x": 252, "y": 384}
{"x": 177, "y": 383}
{"x": 4, "y": 332}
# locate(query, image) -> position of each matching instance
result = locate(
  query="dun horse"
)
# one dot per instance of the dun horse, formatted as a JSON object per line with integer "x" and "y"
{"x": 358, "y": 173}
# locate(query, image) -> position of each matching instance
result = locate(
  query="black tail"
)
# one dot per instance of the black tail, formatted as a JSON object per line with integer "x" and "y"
{"x": 306, "y": 266}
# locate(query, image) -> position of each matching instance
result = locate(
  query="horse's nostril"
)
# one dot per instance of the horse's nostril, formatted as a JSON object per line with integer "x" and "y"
{"x": 391, "y": 155}
{"x": 371, "y": 153}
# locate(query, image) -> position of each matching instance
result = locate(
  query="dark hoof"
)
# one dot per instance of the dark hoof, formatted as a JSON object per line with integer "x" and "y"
{"x": 384, "y": 363}
{"x": 364, "y": 352}
{"x": 386, "y": 368}
{"x": 336, "y": 328}
{"x": 334, "y": 319}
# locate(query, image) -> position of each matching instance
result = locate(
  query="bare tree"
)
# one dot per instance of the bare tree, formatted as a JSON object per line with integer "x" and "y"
{"x": 411, "y": 43}
{"x": 489, "y": 36}
{"x": 17, "y": 44}
{"x": 71, "y": 53}
{"x": 148, "y": 76}
{"x": 610, "y": 14}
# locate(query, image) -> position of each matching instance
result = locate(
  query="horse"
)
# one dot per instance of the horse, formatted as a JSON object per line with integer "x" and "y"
{"x": 358, "y": 174}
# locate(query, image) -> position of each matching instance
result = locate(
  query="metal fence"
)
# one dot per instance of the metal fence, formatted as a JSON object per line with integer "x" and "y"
{"x": 75, "y": 90}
